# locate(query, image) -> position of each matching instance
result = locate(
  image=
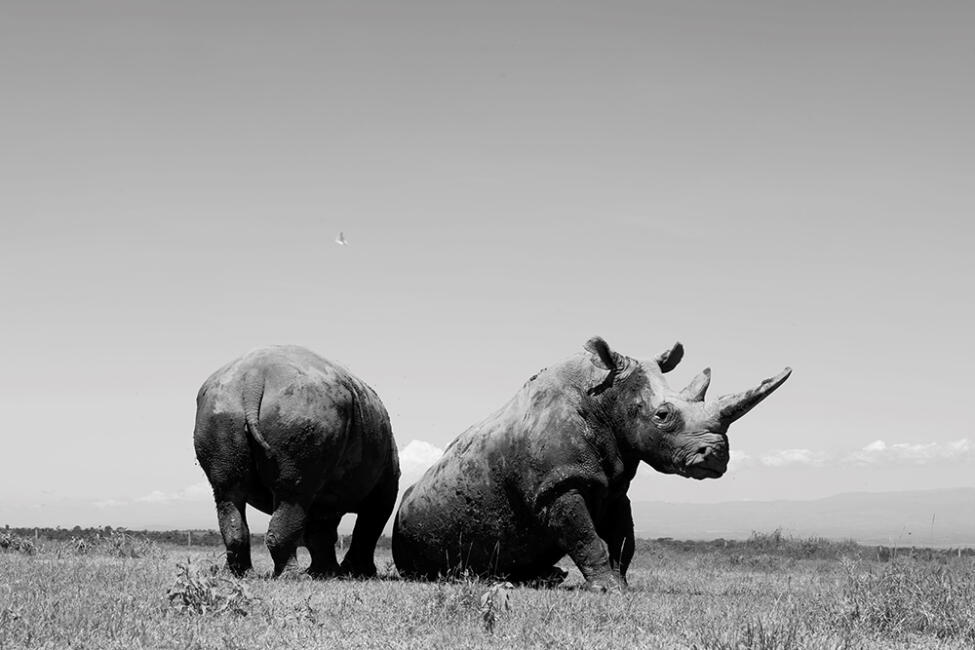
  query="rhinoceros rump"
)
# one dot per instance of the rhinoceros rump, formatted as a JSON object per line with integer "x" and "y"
{"x": 304, "y": 440}
{"x": 547, "y": 475}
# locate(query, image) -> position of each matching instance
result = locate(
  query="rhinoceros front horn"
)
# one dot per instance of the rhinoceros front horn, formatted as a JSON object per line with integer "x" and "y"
{"x": 732, "y": 407}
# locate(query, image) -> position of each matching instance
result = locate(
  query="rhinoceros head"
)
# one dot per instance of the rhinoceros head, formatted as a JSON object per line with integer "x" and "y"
{"x": 675, "y": 432}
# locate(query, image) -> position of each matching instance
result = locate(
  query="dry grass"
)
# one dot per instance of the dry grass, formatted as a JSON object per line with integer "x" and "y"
{"x": 759, "y": 597}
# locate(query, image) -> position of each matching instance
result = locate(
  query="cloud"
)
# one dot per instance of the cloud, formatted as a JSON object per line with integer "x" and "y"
{"x": 879, "y": 452}
{"x": 739, "y": 459}
{"x": 790, "y": 457}
{"x": 109, "y": 503}
{"x": 875, "y": 453}
{"x": 778, "y": 458}
{"x": 415, "y": 458}
{"x": 197, "y": 492}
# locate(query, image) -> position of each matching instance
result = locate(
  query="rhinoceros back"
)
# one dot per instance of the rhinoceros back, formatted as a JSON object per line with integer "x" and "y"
{"x": 303, "y": 414}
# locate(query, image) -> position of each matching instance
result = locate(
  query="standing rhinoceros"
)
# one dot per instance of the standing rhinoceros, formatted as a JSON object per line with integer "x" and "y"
{"x": 546, "y": 476}
{"x": 295, "y": 435}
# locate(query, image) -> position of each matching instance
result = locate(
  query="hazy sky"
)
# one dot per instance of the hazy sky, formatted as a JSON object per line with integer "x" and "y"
{"x": 771, "y": 183}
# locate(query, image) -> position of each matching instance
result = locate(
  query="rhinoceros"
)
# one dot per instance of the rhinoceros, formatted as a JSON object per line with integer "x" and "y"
{"x": 547, "y": 474}
{"x": 300, "y": 438}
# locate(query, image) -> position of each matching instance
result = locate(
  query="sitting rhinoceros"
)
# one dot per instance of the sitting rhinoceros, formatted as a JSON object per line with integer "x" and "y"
{"x": 547, "y": 475}
{"x": 304, "y": 440}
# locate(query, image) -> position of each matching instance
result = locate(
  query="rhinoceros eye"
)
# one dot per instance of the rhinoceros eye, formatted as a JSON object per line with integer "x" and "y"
{"x": 664, "y": 414}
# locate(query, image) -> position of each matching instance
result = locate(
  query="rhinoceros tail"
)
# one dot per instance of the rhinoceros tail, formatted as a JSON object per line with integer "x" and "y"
{"x": 252, "y": 396}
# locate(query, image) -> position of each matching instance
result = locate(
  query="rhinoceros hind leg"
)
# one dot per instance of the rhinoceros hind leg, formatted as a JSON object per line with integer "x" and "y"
{"x": 373, "y": 514}
{"x": 284, "y": 532}
{"x": 233, "y": 528}
{"x": 320, "y": 537}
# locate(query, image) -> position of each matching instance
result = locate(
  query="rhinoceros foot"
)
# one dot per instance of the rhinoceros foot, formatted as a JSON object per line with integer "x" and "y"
{"x": 323, "y": 571}
{"x": 606, "y": 582}
{"x": 357, "y": 570}
{"x": 239, "y": 562}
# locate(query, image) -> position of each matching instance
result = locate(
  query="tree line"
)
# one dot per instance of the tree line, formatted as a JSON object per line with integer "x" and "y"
{"x": 184, "y": 537}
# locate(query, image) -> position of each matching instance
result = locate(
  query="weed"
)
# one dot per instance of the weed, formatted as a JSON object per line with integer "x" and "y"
{"x": 495, "y": 600}
{"x": 206, "y": 591}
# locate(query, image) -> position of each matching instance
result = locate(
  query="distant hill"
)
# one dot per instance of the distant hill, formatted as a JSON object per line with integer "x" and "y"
{"x": 935, "y": 518}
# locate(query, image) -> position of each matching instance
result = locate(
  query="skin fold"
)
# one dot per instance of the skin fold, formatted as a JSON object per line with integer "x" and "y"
{"x": 302, "y": 439}
{"x": 547, "y": 475}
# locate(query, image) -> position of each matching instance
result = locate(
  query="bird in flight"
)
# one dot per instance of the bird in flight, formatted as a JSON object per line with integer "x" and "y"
{"x": 340, "y": 240}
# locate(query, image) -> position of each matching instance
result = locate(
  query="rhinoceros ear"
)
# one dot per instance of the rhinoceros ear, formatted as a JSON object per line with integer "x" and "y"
{"x": 609, "y": 360}
{"x": 668, "y": 359}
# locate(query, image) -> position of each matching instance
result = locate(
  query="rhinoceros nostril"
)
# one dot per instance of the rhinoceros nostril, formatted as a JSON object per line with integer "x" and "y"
{"x": 704, "y": 452}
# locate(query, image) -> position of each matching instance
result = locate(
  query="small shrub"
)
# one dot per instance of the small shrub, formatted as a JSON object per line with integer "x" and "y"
{"x": 455, "y": 599}
{"x": 10, "y": 542}
{"x": 206, "y": 591}
{"x": 7, "y": 614}
{"x": 80, "y": 545}
{"x": 496, "y": 599}
{"x": 121, "y": 543}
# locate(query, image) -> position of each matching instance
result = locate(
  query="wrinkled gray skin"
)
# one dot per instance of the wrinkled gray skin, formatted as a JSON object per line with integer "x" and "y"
{"x": 547, "y": 475}
{"x": 302, "y": 439}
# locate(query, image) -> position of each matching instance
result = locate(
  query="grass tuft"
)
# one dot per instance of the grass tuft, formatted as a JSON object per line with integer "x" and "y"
{"x": 906, "y": 596}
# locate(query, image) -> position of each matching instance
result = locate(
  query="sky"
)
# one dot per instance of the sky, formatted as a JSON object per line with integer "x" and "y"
{"x": 770, "y": 183}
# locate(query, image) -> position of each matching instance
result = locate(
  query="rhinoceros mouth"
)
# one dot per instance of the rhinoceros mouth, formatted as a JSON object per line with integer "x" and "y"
{"x": 709, "y": 464}
{"x": 702, "y": 472}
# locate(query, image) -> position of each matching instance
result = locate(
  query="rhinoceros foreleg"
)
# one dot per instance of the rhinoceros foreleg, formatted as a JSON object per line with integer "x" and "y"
{"x": 372, "y": 516}
{"x": 617, "y": 532}
{"x": 321, "y": 533}
{"x": 233, "y": 528}
{"x": 569, "y": 519}
{"x": 284, "y": 531}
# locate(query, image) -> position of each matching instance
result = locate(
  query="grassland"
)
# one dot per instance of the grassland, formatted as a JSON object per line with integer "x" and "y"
{"x": 768, "y": 593}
